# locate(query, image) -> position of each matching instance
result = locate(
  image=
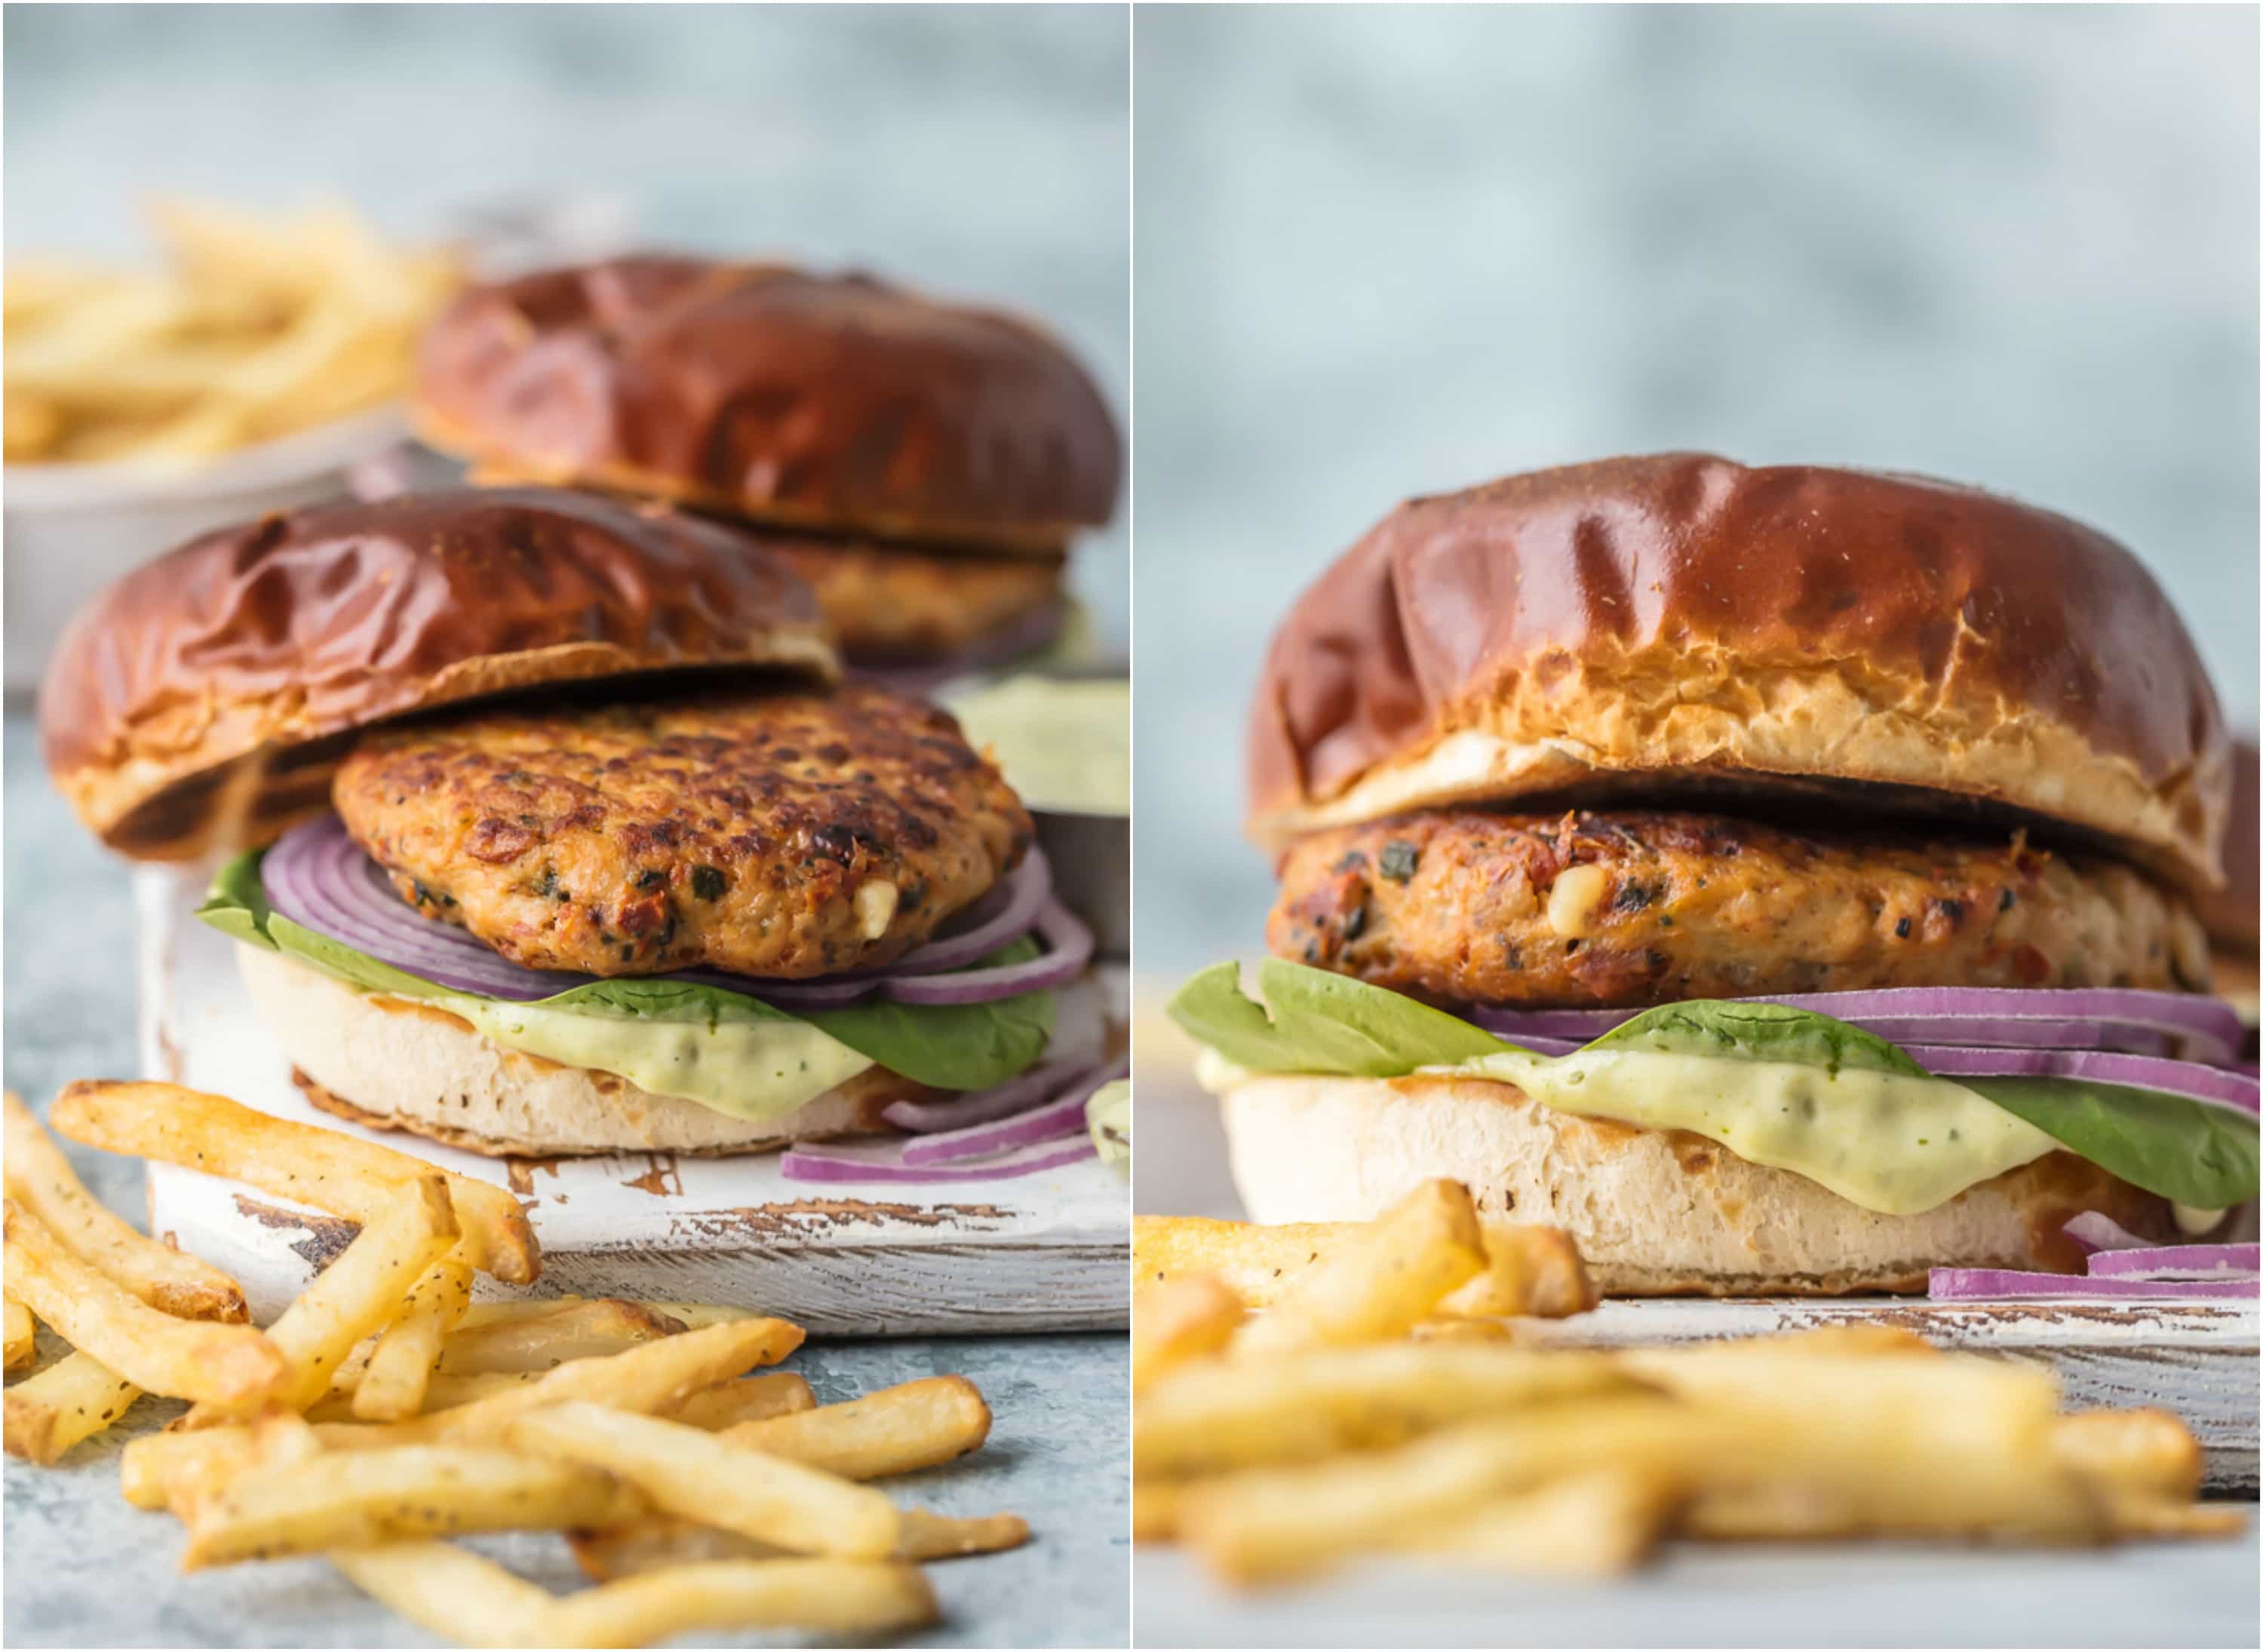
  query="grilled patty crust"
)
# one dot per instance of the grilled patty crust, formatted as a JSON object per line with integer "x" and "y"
{"x": 886, "y": 603}
{"x": 1636, "y": 908}
{"x": 785, "y": 835}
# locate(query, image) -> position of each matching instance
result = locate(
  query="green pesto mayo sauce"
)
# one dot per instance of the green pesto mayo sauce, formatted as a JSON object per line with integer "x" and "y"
{"x": 756, "y": 1070}
{"x": 1887, "y": 1142}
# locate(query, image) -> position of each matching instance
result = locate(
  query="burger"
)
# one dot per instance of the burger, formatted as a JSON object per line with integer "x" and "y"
{"x": 555, "y": 831}
{"x": 923, "y": 466}
{"x": 1782, "y": 879}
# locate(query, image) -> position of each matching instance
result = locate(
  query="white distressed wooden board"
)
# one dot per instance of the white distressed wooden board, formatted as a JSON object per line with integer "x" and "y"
{"x": 1044, "y": 1252}
{"x": 2197, "y": 1359}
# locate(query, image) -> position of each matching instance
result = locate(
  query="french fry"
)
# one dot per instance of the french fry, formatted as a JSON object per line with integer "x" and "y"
{"x": 456, "y": 1595}
{"x": 654, "y": 1377}
{"x": 1593, "y": 1525}
{"x": 399, "y": 1374}
{"x": 2141, "y": 1453}
{"x": 696, "y": 1315}
{"x": 49, "y": 1413}
{"x": 827, "y": 1597}
{"x": 1528, "y": 1271}
{"x": 441, "y": 1393}
{"x": 1189, "y": 1317}
{"x": 356, "y": 1295}
{"x": 327, "y": 1169}
{"x": 1379, "y": 1280}
{"x": 154, "y": 1463}
{"x": 539, "y": 1342}
{"x": 1156, "y": 1506}
{"x": 1446, "y": 1328}
{"x": 278, "y": 1439}
{"x": 40, "y": 1179}
{"x": 191, "y": 1359}
{"x": 1206, "y": 1418}
{"x": 2141, "y": 1470}
{"x": 739, "y": 1400}
{"x": 516, "y": 1309}
{"x": 1271, "y": 1523}
{"x": 687, "y": 1471}
{"x": 2161, "y": 1518}
{"x": 623, "y": 1551}
{"x": 746, "y": 1400}
{"x": 643, "y": 1546}
{"x": 354, "y": 1499}
{"x": 258, "y": 327}
{"x": 1906, "y": 1444}
{"x": 467, "y": 1597}
{"x": 891, "y": 1430}
{"x": 22, "y": 1337}
{"x": 162, "y": 1470}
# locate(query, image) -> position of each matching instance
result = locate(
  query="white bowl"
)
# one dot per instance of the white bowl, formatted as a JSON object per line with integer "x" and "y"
{"x": 69, "y": 530}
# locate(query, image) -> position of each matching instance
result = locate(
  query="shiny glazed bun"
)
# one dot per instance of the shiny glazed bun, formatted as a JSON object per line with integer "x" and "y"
{"x": 1681, "y": 622}
{"x": 809, "y": 401}
{"x": 201, "y": 702}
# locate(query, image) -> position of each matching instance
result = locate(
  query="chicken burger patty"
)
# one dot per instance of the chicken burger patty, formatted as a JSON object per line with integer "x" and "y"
{"x": 1621, "y": 908}
{"x": 785, "y": 835}
{"x": 887, "y": 602}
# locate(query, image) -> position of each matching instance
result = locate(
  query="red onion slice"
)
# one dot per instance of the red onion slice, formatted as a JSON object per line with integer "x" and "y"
{"x": 1988, "y": 1285}
{"x": 979, "y": 1106}
{"x": 2188, "y": 1079}
{"x": 318, "y": 878}
{"x": 1068, "y": 949}
{"x": 2140, "y": 1021}
{"x": 2095, "y": 1230}
{"x": 2179, "y": 1262}
{"x": 2214, "y": 1084}
{"x": 1058, "y": 1117}
{"x": 813, "y": 1164}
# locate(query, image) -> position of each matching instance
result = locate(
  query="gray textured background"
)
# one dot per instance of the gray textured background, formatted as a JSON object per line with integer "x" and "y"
{"x": 979, "y": 151}
{"x": 1383, "y": 253}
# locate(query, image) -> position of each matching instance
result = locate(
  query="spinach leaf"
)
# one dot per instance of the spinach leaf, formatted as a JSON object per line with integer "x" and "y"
{"x": 1741, "y": 1030}
{"x": 1322, "y": 1022}
{"x": 2182, "y": 1150}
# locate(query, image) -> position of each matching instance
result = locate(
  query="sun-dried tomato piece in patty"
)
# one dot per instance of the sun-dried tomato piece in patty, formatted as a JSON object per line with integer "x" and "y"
{"x": 1468, "y": 905}
{"x": 786, "y": 835}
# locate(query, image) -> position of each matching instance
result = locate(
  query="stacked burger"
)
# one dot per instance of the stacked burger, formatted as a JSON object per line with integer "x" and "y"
{"x": 923, "y": 465}
{"x": 1782, "y": 879}
{"x": 560, "y": 834}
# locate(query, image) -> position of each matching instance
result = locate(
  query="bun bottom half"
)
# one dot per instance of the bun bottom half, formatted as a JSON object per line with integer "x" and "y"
{"x": 1654, "y": 1213}
{"x": 397, "y": 1064}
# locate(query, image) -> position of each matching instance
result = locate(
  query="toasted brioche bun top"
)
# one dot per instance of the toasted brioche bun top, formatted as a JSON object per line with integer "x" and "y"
{"x": 833, "y": 402}
{"x": 1682, "y": 621}
{"x": 202, "y": 701}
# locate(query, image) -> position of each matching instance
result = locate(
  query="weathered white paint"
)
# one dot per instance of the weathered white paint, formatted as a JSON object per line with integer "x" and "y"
{"x": 1045, "y": 1252}
{"x": 2197, "y": 1359}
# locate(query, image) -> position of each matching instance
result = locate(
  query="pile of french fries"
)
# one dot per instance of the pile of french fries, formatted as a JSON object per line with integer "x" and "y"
{"x": 1367, "y": 1409}
{"x": 257, "y": 327}
{"x": 383, "y": 1410}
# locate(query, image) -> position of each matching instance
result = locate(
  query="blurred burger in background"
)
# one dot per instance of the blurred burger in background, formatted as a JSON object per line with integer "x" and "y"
{"x": 1786, "y": 880}
{"x": 2231, "y": 911}
{"x": 925, "y": 466}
